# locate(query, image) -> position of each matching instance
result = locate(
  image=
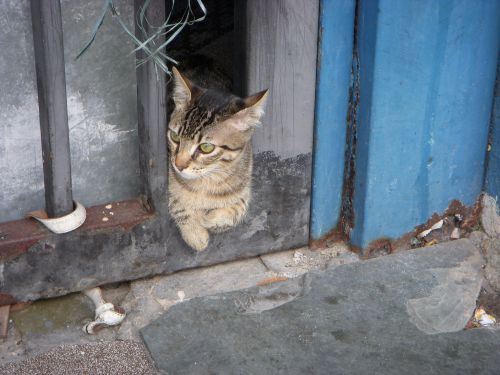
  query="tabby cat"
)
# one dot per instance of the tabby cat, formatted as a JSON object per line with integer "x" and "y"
{"x": 210, "y": 152}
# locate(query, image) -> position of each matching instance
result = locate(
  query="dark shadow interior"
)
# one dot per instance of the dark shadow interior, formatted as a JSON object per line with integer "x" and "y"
{"x": 206, "y": 47}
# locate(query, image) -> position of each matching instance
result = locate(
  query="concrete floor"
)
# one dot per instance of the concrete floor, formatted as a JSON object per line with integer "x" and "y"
{"x": 54, "y": 325}
{"x": 399, "y": 314}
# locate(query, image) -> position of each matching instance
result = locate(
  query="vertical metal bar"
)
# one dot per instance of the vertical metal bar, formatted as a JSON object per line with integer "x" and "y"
{"x": 152, "y": 116}
{"x": 51, "y": 83}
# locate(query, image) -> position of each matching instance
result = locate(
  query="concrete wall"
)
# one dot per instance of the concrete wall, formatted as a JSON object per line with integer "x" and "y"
{"x": 21, "y": 175}
{"x": 101, "y": 89}
{"x": 101, "y": 107}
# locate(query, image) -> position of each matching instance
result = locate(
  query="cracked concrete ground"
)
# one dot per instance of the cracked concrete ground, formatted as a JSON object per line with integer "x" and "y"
{"x": 48, "y": 324}
{"x": 400, "y": 314}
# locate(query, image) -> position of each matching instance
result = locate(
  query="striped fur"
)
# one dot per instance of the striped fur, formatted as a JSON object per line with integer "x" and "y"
{"x": 210, "y": 192}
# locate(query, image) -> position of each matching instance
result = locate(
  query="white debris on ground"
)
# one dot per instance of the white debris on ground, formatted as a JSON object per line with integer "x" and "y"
{"x": 294, "y": 263}
{"x": 481, "y": 319}
{"x": 426, "y": 232}
{"x": 181, "y": 295}
{"x": 298, "y": 257}
{"x": 455, "y": 234}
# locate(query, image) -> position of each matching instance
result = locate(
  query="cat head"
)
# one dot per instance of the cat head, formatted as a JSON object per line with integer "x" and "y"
{"x": 208, "y": 129}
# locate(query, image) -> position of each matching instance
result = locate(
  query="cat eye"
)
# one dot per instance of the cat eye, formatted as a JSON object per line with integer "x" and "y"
{"x": 174, "y": 136}
{"x": 206, "y": 148}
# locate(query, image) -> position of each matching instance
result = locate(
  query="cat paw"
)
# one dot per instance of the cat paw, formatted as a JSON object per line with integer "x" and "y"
{"x": 197, "y": 238}
{"x": 219, "y": 220}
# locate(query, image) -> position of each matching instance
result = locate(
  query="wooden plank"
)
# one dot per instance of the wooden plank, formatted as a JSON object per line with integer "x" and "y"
{"x": 280, "y": 40}
{"x": 51, "y": 84}
{"x": 152, "y": 117}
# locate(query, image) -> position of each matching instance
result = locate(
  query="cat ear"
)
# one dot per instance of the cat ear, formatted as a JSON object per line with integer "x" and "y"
{"x": 250, "y": 115}
{"x": 183, "y": 89}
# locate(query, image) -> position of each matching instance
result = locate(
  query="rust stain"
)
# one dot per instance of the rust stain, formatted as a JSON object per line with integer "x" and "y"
{"x": 328, "y": 240}
{"x": 346, "y": 219}
{"x": 19, "y": 236}
{"x": 126, "y": 214}
{"x": 342, "y": 232}
{"x": 380, "y": 247}
{"x": 20, "y": 306}
{"x": 4, "y": 320}
{"x": 271, "y": 280}
{"x": 470, "y": 219}
{"x": 7, "y": 299}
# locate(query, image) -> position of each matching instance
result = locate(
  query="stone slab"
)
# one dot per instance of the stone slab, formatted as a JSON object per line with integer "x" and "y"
{"x": 47, "y": 324}
{"x": 400, "y": 314}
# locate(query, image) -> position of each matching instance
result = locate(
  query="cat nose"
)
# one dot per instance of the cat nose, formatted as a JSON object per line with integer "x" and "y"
{"x": 181, "y": 164}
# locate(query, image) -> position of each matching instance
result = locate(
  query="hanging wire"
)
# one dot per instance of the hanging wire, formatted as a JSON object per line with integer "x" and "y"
{"x": 153, "y": 50}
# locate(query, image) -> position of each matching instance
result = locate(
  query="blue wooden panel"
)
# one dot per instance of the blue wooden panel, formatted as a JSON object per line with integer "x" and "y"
{"x": 492, "y": 182}
{"x": 427, "y": 70}
{"x": 332, "y": 96}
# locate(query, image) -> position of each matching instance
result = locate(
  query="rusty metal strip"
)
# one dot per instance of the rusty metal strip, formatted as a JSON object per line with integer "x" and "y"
{"x": 4, "y": 320}
{"x": 18, "y": 236}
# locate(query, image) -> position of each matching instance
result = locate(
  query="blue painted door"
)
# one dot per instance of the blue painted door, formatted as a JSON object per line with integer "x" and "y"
{"x": 423, "y": 76}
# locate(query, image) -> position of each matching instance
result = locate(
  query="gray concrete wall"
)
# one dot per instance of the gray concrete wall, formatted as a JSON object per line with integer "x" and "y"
{"x": 21, "y": 176}
{"x": 101, "y": 107}
{"x": 101, "y": 89}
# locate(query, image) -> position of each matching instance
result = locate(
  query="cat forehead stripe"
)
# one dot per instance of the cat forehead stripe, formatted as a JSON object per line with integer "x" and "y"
{"x": 195, "y": 120}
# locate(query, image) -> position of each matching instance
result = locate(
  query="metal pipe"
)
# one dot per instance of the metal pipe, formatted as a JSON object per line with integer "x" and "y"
{"x": 51, "y": 84}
